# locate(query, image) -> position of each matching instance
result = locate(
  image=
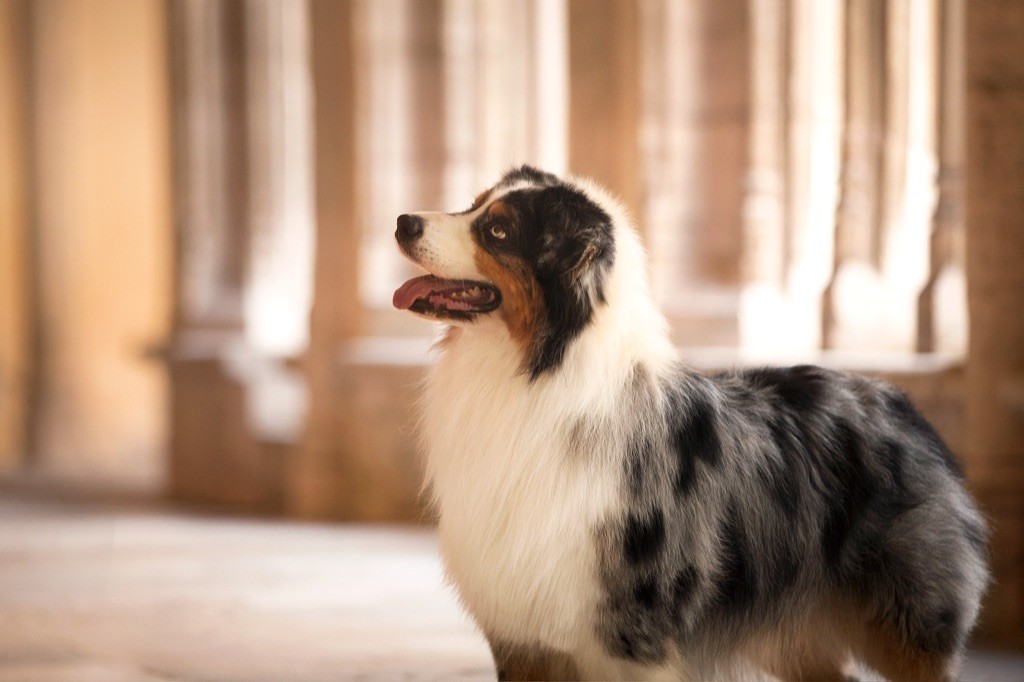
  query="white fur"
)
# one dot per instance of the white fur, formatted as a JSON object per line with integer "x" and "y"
{"x": 446, "y": 248}
{"x": 517, "y": 511}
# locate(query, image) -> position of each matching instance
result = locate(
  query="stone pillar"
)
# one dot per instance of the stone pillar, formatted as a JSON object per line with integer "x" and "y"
{"x": 212, "y": 451}
{"x": 357, "y": 460}
{"x": 942, "y": 307}
{"x": 279, "y": 113}
{"x": 490, "y": 50}
{"x": 890, "y": 181}
{"x": 99, "y": 187}
{"x": 17, "y": 262}
{"x": 243, "y": 206}
{"x": 384, "y": 121}
{"x": 505, "y": 58}
{"x": 427, "y": 106}
{"x": 855, "y": 291}
{"x": 766, "y": 210}
{"x": 995, "y": 244}
{"x": 605, "y": 98}
{"x": 319, "y": 481}
{"x": 671, "y": 142}
{"x": 461, "y": 39}
{"x": 787, "y": 317}
{"x": 910, "y": 173}
{"x": 694, "y": 145}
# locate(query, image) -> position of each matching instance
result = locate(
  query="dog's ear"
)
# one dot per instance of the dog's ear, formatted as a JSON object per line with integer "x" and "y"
{"x": 576, "y": 231}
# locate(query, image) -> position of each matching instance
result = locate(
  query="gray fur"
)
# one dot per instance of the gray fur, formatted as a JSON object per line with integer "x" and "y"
{"x": 755, "y": 496}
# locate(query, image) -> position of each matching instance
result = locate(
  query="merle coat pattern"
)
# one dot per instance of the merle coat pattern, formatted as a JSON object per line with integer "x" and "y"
{"x": 606, "y": 511}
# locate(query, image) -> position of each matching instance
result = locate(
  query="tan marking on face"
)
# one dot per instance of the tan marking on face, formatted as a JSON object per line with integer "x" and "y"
{"x": 479, "y": 201}
{"x": 500, "y": 209}
{"x": 522, "y": 304}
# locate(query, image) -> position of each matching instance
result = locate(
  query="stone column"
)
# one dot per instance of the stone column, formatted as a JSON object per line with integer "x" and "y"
{"x": 212, "y": 450}
{"x": 490, "y": 50}
{"x": 17, "y": 253}
{"x": 766, "y": 211}
{"x": 243, "y": 206}
{"x": 506, "y": 59}
{"x": 604, "y": 100}
{"x": 278, "y": 295}
{"x": 694, "y": 144}
{"x": 671, "y": 143}
{"x": 995, "y": 244}
{"x": 353, "y": 462}
{"x": 99, "y": 188}
{"x": 912, "y": 187}
{"x": 765, "y": 207}
{"x": 910, "y": 173}
{"x": 855, "y": 291}
{"x": 789, "y": 318}
{"x": 427, "y": 105}
{"x": 942, "y": 307}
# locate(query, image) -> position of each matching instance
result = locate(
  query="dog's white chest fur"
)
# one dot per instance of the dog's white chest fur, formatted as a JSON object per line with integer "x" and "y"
{"x": 517, "y": 510}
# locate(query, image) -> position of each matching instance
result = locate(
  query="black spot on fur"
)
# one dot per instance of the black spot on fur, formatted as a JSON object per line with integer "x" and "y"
{"x": 907, "y": 416}
{"x": 646, "y": 593}
{"x": 626, "y": 646}
{"x": 639, "y": 456}
{"x": 780, "y": 477}
{"x": 891, "y": 456}
{"x": 683, "y": 586}
{"x": 898, "y": 498}
{"x": 800, "y": 388}
{"x": 737, "y": 585}
{"x": 643, "y": 536}
{"x": 695, "y": 439}
{"x": 855, "y": 489}
{"x": 790, "y": 437}
{"x": 794, "y": 475}
{"x": 942, "y": 633}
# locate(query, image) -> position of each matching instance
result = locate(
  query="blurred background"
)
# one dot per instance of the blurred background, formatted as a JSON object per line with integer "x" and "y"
{"x": 197, "y": 201}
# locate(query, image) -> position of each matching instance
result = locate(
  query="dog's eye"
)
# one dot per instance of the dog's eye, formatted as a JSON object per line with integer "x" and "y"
{"x": 498, "y": 232}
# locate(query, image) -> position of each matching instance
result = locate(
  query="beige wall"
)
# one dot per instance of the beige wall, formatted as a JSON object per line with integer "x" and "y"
{"x": 101, "y": 157}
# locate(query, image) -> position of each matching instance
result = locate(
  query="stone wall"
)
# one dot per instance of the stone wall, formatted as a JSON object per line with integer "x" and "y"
{"x": 995, "y": 247}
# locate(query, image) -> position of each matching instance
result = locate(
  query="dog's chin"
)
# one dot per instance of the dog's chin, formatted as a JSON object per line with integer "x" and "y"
{"x": 448, "y": 300}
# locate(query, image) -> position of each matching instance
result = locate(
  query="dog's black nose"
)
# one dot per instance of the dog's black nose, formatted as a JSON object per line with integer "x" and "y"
{"x": 410, "y": 228}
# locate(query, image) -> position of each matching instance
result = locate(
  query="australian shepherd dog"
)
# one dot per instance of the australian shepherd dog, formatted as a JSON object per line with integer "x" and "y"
{"x": 607, "y": 512}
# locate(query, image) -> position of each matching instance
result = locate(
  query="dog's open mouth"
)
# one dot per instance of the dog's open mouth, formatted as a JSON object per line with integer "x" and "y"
{"x": 430, "y": 295}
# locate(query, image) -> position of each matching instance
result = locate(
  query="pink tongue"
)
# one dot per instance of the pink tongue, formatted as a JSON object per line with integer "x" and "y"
{"x": 418, "y": 287}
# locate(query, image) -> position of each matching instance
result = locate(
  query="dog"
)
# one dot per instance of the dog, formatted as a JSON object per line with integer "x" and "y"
{"x": 606, "y": 512}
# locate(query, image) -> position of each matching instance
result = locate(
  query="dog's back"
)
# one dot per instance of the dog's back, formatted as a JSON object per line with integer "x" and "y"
{"x": 795, "y": 516}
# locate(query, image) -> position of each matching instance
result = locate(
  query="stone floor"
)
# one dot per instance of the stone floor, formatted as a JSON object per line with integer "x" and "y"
{"x": 95, "y": 593}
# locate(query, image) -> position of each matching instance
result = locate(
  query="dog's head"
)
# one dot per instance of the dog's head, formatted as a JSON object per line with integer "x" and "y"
{"x": 533, "y": 251}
